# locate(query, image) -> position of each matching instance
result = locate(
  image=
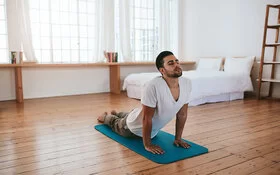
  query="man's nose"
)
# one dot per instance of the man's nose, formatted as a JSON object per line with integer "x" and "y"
{"x": 177, "y": 64}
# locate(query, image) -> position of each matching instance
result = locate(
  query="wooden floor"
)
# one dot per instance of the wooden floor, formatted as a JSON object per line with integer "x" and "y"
{"x": 56, "y": 136}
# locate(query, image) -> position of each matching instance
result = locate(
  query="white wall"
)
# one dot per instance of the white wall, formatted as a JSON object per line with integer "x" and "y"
{"x": 7, "y": 84}
{"x": 49, "y": 82}
{"x": 46, "y": 82}
{"x": 226, "y": 28}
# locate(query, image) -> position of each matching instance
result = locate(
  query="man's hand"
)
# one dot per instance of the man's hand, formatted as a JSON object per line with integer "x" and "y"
{"x": 181, "y": 143}
{"x": 154, "y": 149}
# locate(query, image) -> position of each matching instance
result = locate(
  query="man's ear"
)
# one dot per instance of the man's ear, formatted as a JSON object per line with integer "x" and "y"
{"x": 161, "y": 70}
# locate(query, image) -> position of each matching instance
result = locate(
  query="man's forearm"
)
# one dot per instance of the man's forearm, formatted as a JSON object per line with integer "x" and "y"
{"x": 180, "y": 124}
{"x": 181, "y": 118}
{"x": 147, "y": 129}
{"x": 147, "y": 113}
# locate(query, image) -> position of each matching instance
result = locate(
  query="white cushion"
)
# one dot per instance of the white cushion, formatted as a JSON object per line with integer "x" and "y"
{"x": 239, "y": 65}
{"x": 209, "y": 64}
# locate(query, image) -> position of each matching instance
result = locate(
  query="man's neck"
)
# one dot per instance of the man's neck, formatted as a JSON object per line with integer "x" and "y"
{"x": 171, "y": 82}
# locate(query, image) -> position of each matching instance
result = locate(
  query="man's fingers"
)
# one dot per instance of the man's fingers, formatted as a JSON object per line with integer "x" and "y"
{"x": 159, "y": 150}
{"x": 156, "y": 150}
{"x": 186, "y": 145}
{"x": 177, "y": 143}
{"x": 182, "y": 144}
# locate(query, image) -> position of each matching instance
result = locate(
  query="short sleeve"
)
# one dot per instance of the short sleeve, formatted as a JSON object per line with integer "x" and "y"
{"x": 149, "y": 95}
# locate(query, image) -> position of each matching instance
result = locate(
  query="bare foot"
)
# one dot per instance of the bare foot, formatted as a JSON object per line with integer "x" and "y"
{"x": 101, "y": 118}
{"x": 114, "y": 112}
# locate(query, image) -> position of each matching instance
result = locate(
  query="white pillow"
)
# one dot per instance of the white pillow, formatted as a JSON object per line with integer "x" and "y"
{"x": 239, "y": 65}
{"x": 209, "y": 64}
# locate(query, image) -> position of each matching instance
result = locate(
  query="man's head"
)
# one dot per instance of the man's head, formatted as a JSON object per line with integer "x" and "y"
{"x": 160, "y": 57}
{"x": 168, "y": 64}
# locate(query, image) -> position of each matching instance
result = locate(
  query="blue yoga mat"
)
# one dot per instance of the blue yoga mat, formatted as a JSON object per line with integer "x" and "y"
{"x": 163, "y": 139}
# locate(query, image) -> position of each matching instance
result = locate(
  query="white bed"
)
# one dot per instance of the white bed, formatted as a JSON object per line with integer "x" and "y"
{"x": 208, "y": 85}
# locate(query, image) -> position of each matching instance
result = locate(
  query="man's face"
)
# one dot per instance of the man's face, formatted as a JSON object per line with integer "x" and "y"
{"x": 171, "y": 67}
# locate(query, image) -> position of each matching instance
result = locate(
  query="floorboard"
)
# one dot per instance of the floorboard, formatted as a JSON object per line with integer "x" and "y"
{"x": 57, "y": 136}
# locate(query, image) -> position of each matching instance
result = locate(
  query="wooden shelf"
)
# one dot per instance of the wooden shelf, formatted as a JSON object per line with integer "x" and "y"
{"x": 277, "y": 26}
{"x": 56, "y": 65}
{"x": 87, "y": 64}
{"x": 269, "y": 80}
{"x": 272, "y": 44}
{"x": 152, "y": 63}
{"x": 273, "y": 6}
{"x": 270, "y": 62}
{"x": 9, "y": 65}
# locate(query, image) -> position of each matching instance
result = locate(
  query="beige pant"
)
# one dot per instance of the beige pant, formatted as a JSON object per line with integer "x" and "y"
{"x": 118, "y": 124}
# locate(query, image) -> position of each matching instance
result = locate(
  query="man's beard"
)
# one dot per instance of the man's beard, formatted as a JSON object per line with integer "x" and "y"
{"x": 174, "y": 74}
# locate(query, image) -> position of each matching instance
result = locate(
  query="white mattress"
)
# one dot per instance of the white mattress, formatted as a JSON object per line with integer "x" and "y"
{"x": 207, "y": 87}
{"x": 217, "y": 98}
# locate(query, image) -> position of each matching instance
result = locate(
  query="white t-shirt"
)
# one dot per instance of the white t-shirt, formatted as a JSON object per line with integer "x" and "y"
{"x": 158, "y": 95}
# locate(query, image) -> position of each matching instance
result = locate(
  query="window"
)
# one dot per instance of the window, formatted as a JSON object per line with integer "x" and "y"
{"x": 153, "y": 27}
{"x": 144, "y": 29}
{"x": 4, "y": 57}
{"x": 63, "y": 30}
{"x": 76, "y": 31}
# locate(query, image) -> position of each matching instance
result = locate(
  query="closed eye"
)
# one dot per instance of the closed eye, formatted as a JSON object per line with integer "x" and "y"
{"x": 171, "y": 62}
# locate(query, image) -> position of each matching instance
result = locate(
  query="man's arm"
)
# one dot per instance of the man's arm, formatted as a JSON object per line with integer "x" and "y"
{"x": 148, "y": 114}
{"x": 181, "y": 118}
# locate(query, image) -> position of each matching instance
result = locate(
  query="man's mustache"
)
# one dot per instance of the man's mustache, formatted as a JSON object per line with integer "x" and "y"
{"x": 178, "y": 69}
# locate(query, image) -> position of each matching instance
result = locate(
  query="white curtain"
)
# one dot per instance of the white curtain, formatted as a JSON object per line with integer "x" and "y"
{"x": 167, "y": 22}
{"x": 164, "y": 25}
{"x": 168, "y": 26}
{"x": 178, "y": 43}
{"x": 105, "y": 33}
{"x": 20, "y": 37}
{"x": 124, "y": 29}
{"x": 19, "y": 31}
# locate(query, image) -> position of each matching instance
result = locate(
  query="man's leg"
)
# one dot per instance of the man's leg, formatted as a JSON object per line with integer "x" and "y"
{"x": 118, "y": 124}
{"x": 119, "y": 114}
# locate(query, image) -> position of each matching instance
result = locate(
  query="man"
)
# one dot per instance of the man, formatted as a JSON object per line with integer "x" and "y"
{"x": 164, "y": 98}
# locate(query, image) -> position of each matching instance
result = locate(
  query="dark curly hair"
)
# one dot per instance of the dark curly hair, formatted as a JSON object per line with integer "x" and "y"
{"x": 160, "y": 57}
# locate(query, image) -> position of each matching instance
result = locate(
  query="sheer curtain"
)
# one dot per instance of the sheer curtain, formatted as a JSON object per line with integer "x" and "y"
{"x": 105, "y": 33}
{"x": 3, "y": 33}
{"x": 80, "y": 31}
{"x": 124, "y": 29}
{"x": 69, "y": 31}
{"x": 164, "y": 25}
{"x": 19, "y": 33}
{"x": 148, "y": 27}
{"x": 72, "y": 31}
{"x": 168, "y": 26}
